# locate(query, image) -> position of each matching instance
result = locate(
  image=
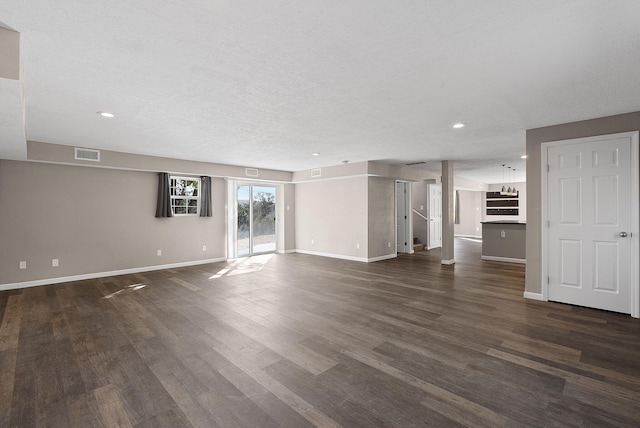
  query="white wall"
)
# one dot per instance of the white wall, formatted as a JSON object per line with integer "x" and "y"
{"x": 381, "y": 217}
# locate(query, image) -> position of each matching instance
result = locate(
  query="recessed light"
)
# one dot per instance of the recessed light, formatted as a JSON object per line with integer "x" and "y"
{"x": 523, "y": 157}
{"x": 458, "y": 125}
{"x": 315, "y": 154}
{"x": 105, "y": 114}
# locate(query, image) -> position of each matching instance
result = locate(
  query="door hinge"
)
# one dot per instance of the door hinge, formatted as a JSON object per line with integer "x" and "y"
{"x": 548, "y": 280}
{"x": 548, "y": 224}
{"x": 548, "y": 167}
{"x": 405, "y": 217}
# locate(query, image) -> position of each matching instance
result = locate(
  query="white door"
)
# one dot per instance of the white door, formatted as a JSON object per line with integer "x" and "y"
{"x": 591, "y": 200}
{"x": 403, "y": 236}
{"x": 435, "y": 216}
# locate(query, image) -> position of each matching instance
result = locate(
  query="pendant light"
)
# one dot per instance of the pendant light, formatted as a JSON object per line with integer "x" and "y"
{"x": 503, "y": 191}
{"x": 515, "y": 192}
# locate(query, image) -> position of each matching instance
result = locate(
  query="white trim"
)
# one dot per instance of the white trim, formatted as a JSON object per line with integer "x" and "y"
{"x": 635, "y": 227}
{"x": 342, "y": 177}
{"x": 448, "y": 262}
{"x": 49, "y": 281}
{"x": 345, "y": 257}
{"x": 504, "y": 259}
{"x": 468, "y": 236}
{"x": 635, "y": 213}
{"x": 286, "y": 251}
{"x": 533, "y": 296}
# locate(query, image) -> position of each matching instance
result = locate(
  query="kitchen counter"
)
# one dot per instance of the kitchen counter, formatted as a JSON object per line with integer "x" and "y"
{"x": 504, "y": 241}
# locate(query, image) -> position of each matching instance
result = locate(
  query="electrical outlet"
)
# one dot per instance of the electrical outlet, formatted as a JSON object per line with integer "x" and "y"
{"x": 421, "y": 207}
{"x": 503, "y": 234}
{"x": 357, "y": 246}
{"x": 389, "y": 244}
{"x": 159, "y": 252}
{"x": 288, "y": 207}
{"x": 55, "y": 262}
{"x": 204, "y": 248}
{"x": 23, "y": 264}
{"x": 312, "y": 242}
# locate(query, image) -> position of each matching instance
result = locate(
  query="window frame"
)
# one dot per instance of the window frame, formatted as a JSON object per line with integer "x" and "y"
{"x": 173, "y": 197}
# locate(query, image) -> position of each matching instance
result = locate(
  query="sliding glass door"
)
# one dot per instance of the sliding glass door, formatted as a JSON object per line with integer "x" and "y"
{"x": 256, "y": 231}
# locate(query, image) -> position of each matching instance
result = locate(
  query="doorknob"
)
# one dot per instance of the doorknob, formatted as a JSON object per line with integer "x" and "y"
{"x": 622, "y": 234}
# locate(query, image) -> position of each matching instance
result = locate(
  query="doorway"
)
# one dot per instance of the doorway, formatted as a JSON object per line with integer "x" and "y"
{"x": 404, "y": 241}
{"x": 435, "y": 216}
{"x": 256, "y": 219}
{"x": 590, "y": 222}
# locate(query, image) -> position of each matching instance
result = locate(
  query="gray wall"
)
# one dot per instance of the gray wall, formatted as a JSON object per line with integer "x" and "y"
{"x": 381, "y": 217}
{"x": 333, "y": 214}
{"x": 289, "y": 217}
{"x": 470, "y": 214}
{"x": 512, "y": 246}
{"x": 94, "y": 220}
{"x": 535, "y": 137}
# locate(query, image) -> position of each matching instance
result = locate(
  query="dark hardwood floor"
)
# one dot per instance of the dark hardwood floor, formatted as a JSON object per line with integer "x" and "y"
{"x": 297, "y": 340}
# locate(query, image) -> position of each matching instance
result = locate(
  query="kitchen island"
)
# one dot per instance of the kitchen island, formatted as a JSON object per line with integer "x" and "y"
{"x": 504, "y": 241}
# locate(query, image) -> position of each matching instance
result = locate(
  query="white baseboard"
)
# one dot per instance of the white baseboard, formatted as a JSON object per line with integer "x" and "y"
{"x": 503, "y": 259}
{"x": 468, "y": 236}
{"x": 448, "y": 262}
{"x": 385, "y": 257}
{"x": 533, "y": 296}
{"x": 345, "y": 257}
{"x": 58, "y": 280}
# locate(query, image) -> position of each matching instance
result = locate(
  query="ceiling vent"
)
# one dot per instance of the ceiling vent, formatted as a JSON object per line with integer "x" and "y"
{"x": 415, "y": 163}
{"x": 316, "y": 172}
{"x": 251, "y": 172}
{"x": 87, "y": 154}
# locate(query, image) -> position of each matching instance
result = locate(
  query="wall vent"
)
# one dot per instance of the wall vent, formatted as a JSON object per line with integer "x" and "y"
{"x": 87, "y": 154}
{"x": 251, "y": 172}
{"x": 316, "y": 172}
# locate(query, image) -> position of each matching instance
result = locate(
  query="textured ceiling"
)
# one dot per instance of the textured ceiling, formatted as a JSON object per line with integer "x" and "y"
{"x": 267, "y": 83}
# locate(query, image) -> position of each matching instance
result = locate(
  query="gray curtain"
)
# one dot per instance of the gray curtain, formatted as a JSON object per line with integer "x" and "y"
{"x": 205, "y": 196}
{"x": 163, "y": 208}
{"x": 457, "y": 208}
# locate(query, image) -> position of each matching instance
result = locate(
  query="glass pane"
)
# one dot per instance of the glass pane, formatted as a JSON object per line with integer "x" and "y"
{"x": 180, "y": 210}
{"x": 243, "y": 221}
{"x": 264, "y": 219}
{"x": 193, "y": 202}
{"x": 192, "y": 210}
{"x": 180, "y": 187}
{"x": 179, "y": 202}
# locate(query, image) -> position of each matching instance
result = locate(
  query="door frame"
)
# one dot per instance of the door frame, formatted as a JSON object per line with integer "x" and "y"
{"x": 232, "y": 216}
{"x": 634, "y": 292}
{"x": 430, "y": 222}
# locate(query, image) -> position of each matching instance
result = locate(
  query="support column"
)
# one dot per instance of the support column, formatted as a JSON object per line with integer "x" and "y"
{"x": 447, "y": 257}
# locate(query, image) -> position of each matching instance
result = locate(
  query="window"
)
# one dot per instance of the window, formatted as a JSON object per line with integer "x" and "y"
{"x": 185, "y": 195}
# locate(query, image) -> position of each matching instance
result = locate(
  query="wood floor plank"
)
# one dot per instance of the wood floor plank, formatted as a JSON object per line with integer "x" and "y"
{"x": 10, "y": 326}
{"x": 298, "y": 340}
{"x": 111, "y": 407}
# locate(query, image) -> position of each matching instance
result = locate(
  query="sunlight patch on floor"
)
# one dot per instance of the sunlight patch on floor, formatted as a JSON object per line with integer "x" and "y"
{"x": 471, "y": 239}
{"x": 243, "y": 265}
